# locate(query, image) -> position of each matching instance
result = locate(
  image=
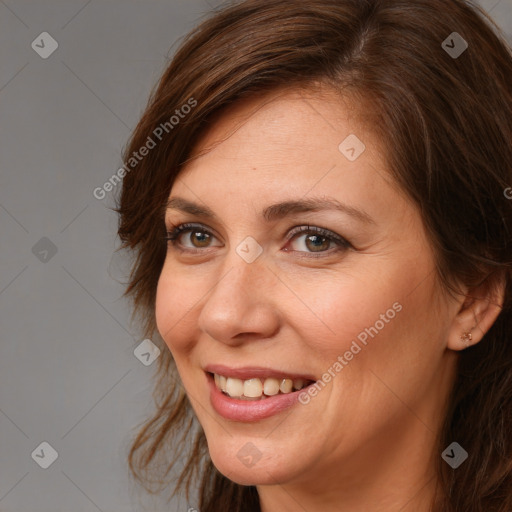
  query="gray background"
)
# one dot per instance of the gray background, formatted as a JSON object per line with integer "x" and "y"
{"x": 68, "y": 374}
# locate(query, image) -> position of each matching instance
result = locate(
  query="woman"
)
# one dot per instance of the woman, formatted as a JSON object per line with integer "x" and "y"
{"x": 323, "y": 234}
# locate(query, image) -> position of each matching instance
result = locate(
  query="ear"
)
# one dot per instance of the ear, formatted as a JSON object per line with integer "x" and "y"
{"x": 478, "y": 311}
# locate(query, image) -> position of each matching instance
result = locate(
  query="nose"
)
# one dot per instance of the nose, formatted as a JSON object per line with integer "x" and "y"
{"x": 240, "y": 306}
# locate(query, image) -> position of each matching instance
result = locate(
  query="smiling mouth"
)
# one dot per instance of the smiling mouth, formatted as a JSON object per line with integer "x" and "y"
{"x": 257, "y": 388}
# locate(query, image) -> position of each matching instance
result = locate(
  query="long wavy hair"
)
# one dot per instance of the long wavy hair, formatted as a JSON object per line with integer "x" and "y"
{"x": 446, "y": 121}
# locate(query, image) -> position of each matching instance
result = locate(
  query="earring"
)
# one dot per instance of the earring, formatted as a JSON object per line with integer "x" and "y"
{"x": 466, "y": 337}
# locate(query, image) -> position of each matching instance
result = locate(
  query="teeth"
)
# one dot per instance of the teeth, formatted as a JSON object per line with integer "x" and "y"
{"x": 256, "y": 388}
{"x": 298, "y": 384}
{"x": 234, "y": 387}
{"x": 223, "y": 381}
{"x": 253, "y": 388}
{"x": 286, "y": 385}
{"x": 271, "y": 387}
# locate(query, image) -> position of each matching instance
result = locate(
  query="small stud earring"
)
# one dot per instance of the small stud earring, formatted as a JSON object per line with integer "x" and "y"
{"x": 466, "y": 337}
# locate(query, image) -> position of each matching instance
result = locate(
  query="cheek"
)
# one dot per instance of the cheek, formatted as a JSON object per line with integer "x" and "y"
{"x": 346, "y": 308}
{"x": 390, "y": 336}
{"x": 327, "y": 312}
{"x": 385, "y": 321}
{"x": 174, "y": 311}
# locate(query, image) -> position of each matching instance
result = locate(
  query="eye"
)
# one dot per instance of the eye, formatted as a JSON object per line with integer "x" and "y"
{"x": 198, "y": 237}
{"x": 317, "y": 240}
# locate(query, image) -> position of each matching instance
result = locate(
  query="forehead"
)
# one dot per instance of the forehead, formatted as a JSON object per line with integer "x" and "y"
{"x": 299, "y": 120}
{"x": 287, "y": 142}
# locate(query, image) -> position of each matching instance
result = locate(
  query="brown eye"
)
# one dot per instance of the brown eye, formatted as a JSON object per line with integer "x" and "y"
{"x": 316, "y": 240}
{"x": 190, "y": 237}
{"x": 317, "y": 243}
{"x": 200, "y": 237}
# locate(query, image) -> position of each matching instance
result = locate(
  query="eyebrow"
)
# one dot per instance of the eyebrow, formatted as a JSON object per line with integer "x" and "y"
{"x": 277, "y": 211}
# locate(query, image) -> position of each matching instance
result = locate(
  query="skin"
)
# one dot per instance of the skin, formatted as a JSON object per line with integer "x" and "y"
{"x": 367, "y": 440}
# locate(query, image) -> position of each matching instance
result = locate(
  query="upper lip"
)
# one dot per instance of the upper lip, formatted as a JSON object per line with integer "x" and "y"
{"x": 249, "y": 372}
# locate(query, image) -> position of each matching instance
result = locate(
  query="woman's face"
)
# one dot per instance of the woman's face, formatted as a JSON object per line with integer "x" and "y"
{"x": 254, "y": 292}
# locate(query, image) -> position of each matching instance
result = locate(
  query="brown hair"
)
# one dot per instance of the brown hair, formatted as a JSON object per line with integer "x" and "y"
{"x": 447, "y": 123}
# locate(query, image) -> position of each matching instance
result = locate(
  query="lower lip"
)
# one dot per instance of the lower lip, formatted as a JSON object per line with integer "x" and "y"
{"x": 249, "y": 410}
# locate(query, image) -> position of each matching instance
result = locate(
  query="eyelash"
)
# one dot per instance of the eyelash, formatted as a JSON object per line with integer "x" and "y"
{"x": 342, "y": 243}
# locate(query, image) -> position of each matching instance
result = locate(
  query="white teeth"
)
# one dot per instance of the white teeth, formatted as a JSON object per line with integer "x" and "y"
{"x": 286, "y": 386}
{"x": 271, "y": 387}
{"x": 253, "y": 388}
{"x": 256, "y": 388}
{"x": 234, "y": 387}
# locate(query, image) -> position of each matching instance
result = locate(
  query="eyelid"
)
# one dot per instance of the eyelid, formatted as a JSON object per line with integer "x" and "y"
{"x": 327, "y": 233}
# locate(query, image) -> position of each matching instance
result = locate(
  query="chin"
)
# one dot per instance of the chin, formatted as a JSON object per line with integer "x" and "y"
{"x": 256, "y": 475}
{"x": 248, "y": 466}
